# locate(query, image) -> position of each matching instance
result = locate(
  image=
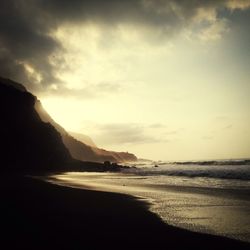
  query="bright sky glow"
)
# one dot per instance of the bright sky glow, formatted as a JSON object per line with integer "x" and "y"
{"x": 179, "y": 98}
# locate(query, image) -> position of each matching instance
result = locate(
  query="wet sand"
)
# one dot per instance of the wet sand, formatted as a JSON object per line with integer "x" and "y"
{"x": 184, "y": 203}
{"x": 40, "y": 215}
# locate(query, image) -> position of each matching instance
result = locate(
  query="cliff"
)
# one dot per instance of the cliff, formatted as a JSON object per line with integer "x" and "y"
{"x": 84, "y": 148}
{"x": 27, "y": 142}
{"x": 32, "y": 139}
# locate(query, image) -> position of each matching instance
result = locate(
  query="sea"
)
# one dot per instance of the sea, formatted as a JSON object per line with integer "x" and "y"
{"x": 203, "y": 196}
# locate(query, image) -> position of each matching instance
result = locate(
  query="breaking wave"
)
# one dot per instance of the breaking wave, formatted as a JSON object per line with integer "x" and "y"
{"x": 213, "y": 169}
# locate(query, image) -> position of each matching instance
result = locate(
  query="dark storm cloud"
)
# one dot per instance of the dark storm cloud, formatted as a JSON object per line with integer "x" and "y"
{"x": 24, "y": 39}
{"x": 26, "y": 27}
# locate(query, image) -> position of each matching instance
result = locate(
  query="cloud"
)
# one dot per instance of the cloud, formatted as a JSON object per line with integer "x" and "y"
{"x": 208, "y": 137}
{"x": 24, "y": 39}
{"x": 173, "y": 132}
{"x": 222, "y": 118}
{"x": 28, "y": 46}
{"x": 215, "y": 30}
{"x": 111, "y": 134}
{"x": 238, "y": 4}
{"x": 229, "y": 126}
{"x": 89, "y": 91}
{"x": 157, "y": 126}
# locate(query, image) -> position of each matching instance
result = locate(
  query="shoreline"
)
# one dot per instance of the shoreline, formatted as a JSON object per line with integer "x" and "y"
{"x": 37, "y": 214}
{"x": 215, "y": 211}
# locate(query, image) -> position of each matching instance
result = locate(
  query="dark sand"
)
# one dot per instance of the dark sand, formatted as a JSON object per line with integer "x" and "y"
{"x": 40, "y": 215}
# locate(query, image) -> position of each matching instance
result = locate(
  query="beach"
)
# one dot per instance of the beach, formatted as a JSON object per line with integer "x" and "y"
{"x": 213, "y": 206}
{"x": 40, "y": 215}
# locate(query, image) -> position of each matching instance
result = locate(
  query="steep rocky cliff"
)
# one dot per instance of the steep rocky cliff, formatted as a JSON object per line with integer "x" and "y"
{"x": 31, "y": 138}
{"x": 26, "y": 141}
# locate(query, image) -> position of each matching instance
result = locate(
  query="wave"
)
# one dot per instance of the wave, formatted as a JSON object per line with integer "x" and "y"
{"x": 221, "y": 172}
{"x": 215, "y": 162}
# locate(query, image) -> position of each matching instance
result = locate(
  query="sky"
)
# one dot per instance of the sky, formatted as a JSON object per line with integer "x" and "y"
{"x": 165, "y": 80}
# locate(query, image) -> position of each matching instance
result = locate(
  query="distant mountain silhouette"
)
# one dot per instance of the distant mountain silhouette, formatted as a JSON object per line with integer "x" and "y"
{"x": 31, "y": 139}
{"x": 118, "y": 156}
{"x": 82, "y": 147}
{"x": 83, "y": 138}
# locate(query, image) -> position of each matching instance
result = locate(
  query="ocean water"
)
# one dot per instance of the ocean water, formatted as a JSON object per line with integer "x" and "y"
{"x": 209, "y": 197}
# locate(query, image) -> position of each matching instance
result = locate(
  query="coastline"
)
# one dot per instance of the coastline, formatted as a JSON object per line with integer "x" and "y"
{"x": 37, "y": 214}
{"x": 193, "y": 205}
